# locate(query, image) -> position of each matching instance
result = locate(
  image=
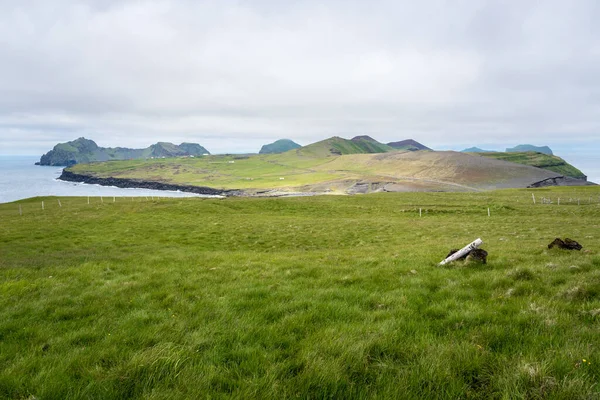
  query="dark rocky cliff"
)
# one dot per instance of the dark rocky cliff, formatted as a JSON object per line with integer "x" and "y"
{"x": 141, "y": 184}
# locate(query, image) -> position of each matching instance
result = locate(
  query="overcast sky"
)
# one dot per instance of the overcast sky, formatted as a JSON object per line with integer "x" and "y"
{"x": 233, "y": 75}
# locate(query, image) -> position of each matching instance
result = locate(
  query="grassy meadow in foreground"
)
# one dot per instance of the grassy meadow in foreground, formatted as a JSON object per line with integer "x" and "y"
{"x": 320, "y": 297}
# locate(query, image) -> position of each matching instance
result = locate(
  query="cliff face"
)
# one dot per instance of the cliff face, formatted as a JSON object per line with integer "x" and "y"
{"x": 138, "y": 183}
{"x": 83, "y": 150}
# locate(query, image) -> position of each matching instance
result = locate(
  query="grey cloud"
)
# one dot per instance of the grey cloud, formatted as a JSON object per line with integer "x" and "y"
{"x": 234, "y": 74}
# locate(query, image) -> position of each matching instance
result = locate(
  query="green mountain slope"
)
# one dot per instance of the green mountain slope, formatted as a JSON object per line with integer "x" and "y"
{"x": 539, "y": 160}
{"x": 83, "y": 150}
{"x": 340, "y": 146}
{"x": 408, "y": 144}
{"x": 279, "y": 146}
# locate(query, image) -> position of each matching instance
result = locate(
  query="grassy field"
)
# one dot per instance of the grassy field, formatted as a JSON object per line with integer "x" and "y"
{"x": 319, "y": 297}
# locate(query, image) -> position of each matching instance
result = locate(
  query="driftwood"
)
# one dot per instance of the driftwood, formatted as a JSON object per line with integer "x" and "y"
{"x": 476, "y": 255}
{"x": 463, "y": 252}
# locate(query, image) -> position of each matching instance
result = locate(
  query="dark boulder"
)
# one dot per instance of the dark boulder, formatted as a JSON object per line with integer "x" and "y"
{"x": 477, "y": 255}
{"x": 567, "y": 244}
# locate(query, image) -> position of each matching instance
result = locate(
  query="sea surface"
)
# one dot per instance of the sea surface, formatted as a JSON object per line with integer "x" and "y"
{"x": 20, "y": 178}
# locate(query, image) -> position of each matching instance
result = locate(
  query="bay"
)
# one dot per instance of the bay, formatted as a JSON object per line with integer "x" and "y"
{"x": 20, "y": 178}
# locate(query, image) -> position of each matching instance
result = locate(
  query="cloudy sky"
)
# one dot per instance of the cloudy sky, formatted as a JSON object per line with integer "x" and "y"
{"x": 233, "y": 75}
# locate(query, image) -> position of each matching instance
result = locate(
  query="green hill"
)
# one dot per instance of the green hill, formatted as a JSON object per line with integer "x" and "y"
{"x": 279, "y": 146}
{"x": 539, "y": 160}
{"x": 408, "y": 144}
{"x": 83, "y": 150}
{"x": 340, "y": 146}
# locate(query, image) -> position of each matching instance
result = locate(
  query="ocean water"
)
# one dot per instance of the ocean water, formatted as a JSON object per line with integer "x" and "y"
{"x": 21, "y": 179}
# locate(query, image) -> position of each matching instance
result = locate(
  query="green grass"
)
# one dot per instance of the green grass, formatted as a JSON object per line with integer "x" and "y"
{"x": 320, "y": 297}
{"x": 233, "y": 172}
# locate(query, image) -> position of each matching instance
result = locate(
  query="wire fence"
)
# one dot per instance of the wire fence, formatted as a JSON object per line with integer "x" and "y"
{"x": 495, "y": 204}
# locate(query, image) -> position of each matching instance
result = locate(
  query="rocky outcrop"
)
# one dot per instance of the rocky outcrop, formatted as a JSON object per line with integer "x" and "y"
{"x": 560, "y": 181}
{"x": 141, "y": 184}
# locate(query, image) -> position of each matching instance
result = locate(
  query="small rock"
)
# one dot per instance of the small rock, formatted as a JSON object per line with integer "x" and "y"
{"x": 413, "y": 271}
{"x": 477, "y": 255}
{"x": 567, "y": 244}
{"x": 572, "y": 245}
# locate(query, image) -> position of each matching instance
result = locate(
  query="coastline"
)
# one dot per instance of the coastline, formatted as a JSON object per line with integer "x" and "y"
{"x": 141, "y": 184}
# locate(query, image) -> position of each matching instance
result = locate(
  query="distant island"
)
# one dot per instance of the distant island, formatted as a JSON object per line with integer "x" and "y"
{"x": 476, "y": 150}
{"x": 83, "y": 150}
{"x": 279, "y": 146}
{"x": 517, "y": 149}
{"x": 536, "y": 156}
{"x": 529, "y": 147}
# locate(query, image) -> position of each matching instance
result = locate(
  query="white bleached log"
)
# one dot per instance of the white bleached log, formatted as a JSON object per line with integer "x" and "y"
{"x": 471, "y": 246}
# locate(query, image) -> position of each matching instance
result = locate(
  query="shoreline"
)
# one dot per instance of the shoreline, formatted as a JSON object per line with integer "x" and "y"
{"x": 125, "y": 183}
